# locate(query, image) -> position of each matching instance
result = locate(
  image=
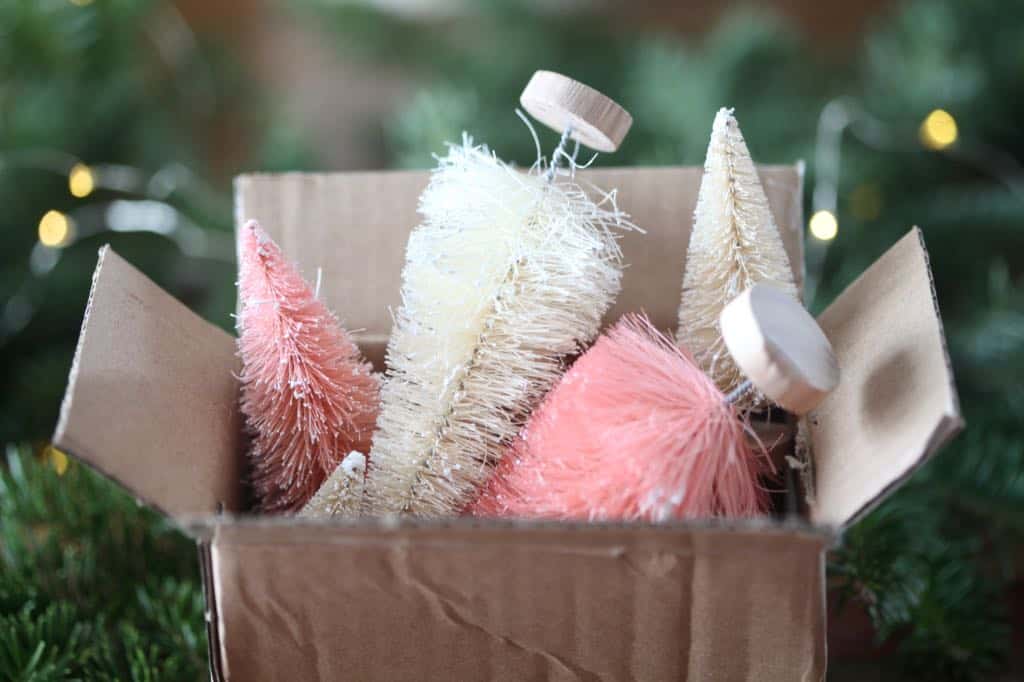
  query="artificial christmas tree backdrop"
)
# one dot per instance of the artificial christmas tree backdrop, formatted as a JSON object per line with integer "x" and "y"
{"x": 108, "y": 117}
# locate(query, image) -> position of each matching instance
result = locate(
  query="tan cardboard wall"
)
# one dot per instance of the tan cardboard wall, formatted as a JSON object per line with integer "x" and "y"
{"x": 536, "y": 602}
{"x": 896, "y": 403}
{"x": 354, "y": 227}
{"x": 152, "y": 400}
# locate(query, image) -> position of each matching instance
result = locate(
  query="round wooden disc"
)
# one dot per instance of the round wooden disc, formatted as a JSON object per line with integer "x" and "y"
{"x": 559, "y": 102}
{"x": 780, "y": 347}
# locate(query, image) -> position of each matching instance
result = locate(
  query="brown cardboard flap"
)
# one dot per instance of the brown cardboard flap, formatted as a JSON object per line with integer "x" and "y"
{"x": 355, "y": 225}
{"x": 151, "y": 399}
{"x": 518, "y": 602}
{"x": 896, "y": 403}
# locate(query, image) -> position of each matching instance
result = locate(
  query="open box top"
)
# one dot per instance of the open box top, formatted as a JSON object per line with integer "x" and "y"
{"x": 152, "y": 396}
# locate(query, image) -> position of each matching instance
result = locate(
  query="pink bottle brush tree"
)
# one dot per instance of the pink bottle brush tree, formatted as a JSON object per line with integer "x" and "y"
{"x": 633, "y": 431}
{"x": 308, "y": 396}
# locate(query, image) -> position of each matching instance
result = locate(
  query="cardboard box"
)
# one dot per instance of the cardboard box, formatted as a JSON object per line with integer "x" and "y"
{"x": 152, "y": 402}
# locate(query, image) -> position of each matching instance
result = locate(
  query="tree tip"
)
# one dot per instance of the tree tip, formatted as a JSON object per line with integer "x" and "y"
{"x": 725, "y": 118}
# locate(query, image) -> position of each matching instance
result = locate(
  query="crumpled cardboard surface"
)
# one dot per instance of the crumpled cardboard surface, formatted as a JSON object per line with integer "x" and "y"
{"x": 895, "y": 404}
{"x": 152, "y": 400}
{"x": 519, "y": 602}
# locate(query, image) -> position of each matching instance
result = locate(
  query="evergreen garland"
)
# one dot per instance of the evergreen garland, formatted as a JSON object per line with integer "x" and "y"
{"x": 92, "y": 586}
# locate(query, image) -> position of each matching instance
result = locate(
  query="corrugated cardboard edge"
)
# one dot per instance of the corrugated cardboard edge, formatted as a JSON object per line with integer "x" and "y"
{"x": 204, "y": 528}
{"x": 948, "y": 423}
{"x": 121, "y": 296}
{"x": 210, "y": 612}
{"x": 60, "y": 437}
{"x": 59, "y": 432}
{"x": 944, "y": 432}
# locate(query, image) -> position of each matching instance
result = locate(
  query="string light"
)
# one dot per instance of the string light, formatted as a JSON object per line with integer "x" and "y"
{"x": 824, "y": 226}
{"x": 55, "y": 229}
{"x": 57, "y": 459}
{"x": 81, "y": 181}
{"x": 938, "y": 130}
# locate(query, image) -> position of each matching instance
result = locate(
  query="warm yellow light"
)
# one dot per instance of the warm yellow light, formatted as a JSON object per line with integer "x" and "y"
{"x": 81, "y": 3}
{"x": 81, "y": 180}
{"x": 58, "y": 460}
{"x": 824, "y": 226}
{"x": 54, "y": 229}
{"x": 938, "y": 130}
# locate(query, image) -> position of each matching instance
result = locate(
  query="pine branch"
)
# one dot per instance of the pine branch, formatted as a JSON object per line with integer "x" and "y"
{"x": 92, "y": 586}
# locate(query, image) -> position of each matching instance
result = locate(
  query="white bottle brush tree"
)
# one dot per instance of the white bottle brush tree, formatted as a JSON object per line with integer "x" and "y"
{"x": 508, "y": 274}
{"x": 735, "y": 244}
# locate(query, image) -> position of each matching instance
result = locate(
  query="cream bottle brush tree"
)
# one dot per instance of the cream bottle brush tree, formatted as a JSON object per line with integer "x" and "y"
{"x": 342, "y": 493}
{"x": 508, "y": 273}
{"x": 735, "y": 244}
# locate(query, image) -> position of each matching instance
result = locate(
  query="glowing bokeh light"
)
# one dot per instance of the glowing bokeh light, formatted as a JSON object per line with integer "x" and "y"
{"x": 58, "y": 460}
{"x": 938, "y": 130}
{"x": 81, "y": 181}
{"x": 54, "y": 229}
{"x": 824, "y": 226}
